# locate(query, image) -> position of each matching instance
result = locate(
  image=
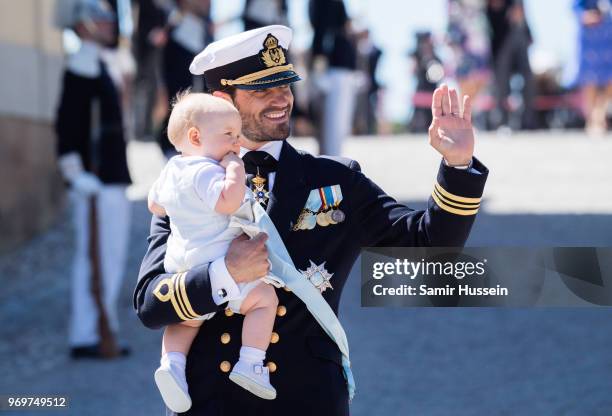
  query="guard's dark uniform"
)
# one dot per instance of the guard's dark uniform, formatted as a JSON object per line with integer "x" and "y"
{"x": 73, "y": 126}
{"x": 304, "y": 362}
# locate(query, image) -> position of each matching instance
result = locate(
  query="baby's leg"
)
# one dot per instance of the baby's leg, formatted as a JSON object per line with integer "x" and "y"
{"x": 170, "y": 376}
{"x": 259, "y": 310}
{"x": 179, "y": 337}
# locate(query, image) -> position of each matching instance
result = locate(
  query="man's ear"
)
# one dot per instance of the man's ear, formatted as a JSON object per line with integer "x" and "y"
{"x": 224, "y": 95}
{"x": 193, "y": 135}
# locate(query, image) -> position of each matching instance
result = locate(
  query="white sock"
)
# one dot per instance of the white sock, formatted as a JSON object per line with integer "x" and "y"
{"x": 252, "y": 355}
{"x": 176, "y": 358}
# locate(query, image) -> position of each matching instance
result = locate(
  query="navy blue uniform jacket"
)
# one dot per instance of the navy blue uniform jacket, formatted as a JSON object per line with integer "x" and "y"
{"x": 307, "y": 364}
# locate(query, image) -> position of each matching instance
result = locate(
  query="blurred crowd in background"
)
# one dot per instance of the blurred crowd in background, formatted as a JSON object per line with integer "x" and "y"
{"x": 484, "y": 51}
{"x": 156, "y": 40}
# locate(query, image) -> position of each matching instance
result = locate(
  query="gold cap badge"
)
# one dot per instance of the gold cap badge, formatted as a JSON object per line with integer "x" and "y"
{"x": 272, "y": 54}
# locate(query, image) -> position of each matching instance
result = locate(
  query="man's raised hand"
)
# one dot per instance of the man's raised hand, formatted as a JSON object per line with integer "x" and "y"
{"x": 451, "y": 132}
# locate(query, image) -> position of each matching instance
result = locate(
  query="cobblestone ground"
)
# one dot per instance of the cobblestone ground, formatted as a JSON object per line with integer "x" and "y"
{"x": 544, "y": 189}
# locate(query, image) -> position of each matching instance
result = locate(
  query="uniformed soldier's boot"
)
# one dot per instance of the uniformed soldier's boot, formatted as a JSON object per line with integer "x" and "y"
{"x": 254, "y": 378}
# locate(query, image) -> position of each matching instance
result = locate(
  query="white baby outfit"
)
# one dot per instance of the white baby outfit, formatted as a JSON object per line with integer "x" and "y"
{"x": 188, "y": 188}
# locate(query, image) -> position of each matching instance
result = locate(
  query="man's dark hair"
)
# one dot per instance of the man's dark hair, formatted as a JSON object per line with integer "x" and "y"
{"x": 227, "y": 89}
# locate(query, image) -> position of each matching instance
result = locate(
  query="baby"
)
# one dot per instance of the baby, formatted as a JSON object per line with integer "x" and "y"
{"x": 199, "y": 190}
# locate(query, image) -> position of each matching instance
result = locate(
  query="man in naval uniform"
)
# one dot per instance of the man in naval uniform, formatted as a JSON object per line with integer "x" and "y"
{"x": 93, "y": 163}
{"x": 324, "y": 208}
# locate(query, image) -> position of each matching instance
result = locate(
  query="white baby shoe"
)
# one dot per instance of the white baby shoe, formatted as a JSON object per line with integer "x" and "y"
{"x": 254, "y": 378}
{"x": 172, "y": 385}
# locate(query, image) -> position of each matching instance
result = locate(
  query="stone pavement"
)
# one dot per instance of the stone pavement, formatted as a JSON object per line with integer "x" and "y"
{"x": 544, "y": 189}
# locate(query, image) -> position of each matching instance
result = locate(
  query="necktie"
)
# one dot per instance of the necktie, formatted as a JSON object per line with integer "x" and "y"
{"x": 258, "y": 165}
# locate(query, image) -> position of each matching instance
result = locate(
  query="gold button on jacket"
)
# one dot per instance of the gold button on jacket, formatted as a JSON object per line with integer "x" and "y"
{"x": 225, "y": 366}
{"x": 281, "y": 310}
{"x": 225, "y": 338}
{"x": 271, "y": 366}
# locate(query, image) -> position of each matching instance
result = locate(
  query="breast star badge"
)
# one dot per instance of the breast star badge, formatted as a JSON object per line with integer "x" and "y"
{"x": 318, "y": 276}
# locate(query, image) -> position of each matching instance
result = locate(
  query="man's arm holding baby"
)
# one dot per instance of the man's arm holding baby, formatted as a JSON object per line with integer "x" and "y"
{"x": 232, "y": 194}
{"x": 162, "y": 298}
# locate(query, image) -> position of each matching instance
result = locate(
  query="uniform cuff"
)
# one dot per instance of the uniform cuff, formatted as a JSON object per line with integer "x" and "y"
{"x": 458, "y": 191}
{"x": 223, "y": 286}
{"x": 184, "y": 292}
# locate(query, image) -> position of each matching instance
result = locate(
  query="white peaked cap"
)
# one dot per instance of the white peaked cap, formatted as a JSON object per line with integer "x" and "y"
{"x": 256, "y": 58}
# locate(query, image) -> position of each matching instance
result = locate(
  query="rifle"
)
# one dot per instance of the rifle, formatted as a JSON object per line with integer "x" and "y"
{"x": 108, "y": 345}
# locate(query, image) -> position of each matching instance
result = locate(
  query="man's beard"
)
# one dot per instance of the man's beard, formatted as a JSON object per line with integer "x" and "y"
{"x": 258, "y": 131}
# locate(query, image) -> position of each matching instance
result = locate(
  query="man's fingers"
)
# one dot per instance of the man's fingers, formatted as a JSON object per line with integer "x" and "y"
{"x": 267, "y": 266}
{"x": 434, "y": 137}
{"x": 261, "y": 258}
{"x": 454, "y": 103}
{"x": 445, "y": 100}
{"x": 260, "y": 238}
{"x": 467, "y": 108}
{"x": 436, "y": 103}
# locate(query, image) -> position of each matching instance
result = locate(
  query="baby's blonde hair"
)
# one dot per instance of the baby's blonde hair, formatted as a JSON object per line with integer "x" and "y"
{"x": 190, "y": 109}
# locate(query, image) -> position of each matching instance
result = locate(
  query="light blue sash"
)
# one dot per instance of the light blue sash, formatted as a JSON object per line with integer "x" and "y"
{"x": 285, "y": 274}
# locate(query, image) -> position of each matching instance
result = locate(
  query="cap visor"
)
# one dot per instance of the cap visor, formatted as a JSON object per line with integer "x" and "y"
{"x": 271, "y": 81}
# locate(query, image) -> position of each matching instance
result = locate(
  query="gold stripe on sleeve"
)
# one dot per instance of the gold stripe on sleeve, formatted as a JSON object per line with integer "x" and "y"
{"x": 455, "y": 204}
{"x": 456, "y": 198}
{"x": 178, "y": 296}
{"x": 183, "y": 293}
{"x": 452, "y": 210}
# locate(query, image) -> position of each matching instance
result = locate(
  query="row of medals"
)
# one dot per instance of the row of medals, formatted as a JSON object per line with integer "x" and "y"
{"x": 309, "y": 219}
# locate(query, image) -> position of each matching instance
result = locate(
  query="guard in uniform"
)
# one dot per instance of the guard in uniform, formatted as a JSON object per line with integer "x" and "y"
{"x": 92, "y": 159}
{"x": 325, "y": 209}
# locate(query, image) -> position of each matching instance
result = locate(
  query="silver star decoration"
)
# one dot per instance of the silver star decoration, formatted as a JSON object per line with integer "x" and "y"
{"x": 318, "y": 276}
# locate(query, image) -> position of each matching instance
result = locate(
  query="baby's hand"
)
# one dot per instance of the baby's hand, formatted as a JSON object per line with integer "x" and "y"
{"x": 156, "y": 209}
{"x": 229, "y": 158}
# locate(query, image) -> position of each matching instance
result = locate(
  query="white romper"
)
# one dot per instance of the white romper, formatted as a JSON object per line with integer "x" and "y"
{"x": 188, "y": 188}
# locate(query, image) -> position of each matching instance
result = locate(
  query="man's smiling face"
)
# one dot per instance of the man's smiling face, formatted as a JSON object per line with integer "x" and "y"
{"x": 265, "y": 113}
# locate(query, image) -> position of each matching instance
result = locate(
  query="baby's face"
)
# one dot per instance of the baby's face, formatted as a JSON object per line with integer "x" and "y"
{"x": 220, "y": 135}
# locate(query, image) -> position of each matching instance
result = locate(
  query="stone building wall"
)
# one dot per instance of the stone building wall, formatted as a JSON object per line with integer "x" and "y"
{"x": 31, "y": 59}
